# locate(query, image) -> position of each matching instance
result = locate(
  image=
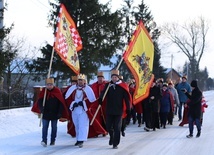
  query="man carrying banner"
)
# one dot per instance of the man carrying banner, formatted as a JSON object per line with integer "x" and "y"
{"x": 117, "y": 99}
{"x": 53, "y": 109}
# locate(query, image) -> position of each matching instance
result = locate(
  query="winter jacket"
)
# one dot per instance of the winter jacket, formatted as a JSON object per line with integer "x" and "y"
{"x": 183, "y": 85}
{"x": 195, "y": 103}
{"x": 166, "y": 102}
{"x": 175, "y": 95}
{"x": 156, "y": 92}
{"x": 115, "y": 98}
{"x": 53, "y": 107}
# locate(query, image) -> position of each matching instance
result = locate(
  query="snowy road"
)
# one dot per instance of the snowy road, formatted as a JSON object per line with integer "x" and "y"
{"x": 20, "y": 134}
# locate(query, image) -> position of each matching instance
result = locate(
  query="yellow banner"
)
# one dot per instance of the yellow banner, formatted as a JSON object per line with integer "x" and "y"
{"x": 139, "y": 57}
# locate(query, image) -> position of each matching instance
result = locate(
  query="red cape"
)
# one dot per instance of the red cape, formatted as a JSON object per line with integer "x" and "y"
{"x": 138, "y": 107}
{"x": 54, "y": 93}
{"x": 126, "y": 88}
{"x": 101, "y": 115}
{"x": 94, "y": 130}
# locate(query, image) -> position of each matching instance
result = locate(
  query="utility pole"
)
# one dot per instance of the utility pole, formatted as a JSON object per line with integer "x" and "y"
{"x": 171, "y": 66}
{"x": 187, "y": 70}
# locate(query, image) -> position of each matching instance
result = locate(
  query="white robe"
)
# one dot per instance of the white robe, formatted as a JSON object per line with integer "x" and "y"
{"x": 79, "y": 115}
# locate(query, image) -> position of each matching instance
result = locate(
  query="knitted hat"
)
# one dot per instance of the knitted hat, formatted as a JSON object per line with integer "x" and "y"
{"x": 194, "y": 83}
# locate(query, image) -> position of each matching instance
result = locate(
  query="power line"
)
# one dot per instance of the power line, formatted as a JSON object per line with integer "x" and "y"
{"x": 43, "y": 4}
{"x": 39, "y": 4}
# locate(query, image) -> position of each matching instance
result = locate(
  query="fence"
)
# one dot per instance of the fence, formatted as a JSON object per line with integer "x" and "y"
{"x": 13, "y": 98}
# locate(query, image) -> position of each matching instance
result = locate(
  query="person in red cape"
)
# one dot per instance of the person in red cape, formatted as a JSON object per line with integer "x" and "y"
{"x": 185, "y": 114}
{"x": 78, "y": 97}
{"x": 137, "y": 108}
{"x": 203, "y": 106}
{"x": 97, "y": 87}
{"x": 53, "y": 109}
{"x": 125, "y": 117}
{"x": 70, "y": 124}
{"x": 96, "y": 128}
{"x": 117, "y": 93}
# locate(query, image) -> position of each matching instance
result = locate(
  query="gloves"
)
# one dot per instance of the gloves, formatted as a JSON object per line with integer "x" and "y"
{"x": 100, "y": 101}
{"x": 80, "y": 103}
{"x": 75, "y": 105}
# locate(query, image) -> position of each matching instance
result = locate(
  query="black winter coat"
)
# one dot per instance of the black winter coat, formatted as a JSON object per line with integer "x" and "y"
{"x": 53, "y": 108}
{"x": 114, "y": 99}
{"x": 195, "y": 103}
{"x": 156, "y": 92}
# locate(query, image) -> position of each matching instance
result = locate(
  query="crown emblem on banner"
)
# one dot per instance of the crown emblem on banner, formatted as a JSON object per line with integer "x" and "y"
{"x": 81, "y": 77}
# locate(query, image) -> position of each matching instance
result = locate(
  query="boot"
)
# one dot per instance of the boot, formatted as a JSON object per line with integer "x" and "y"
{"x": 189, "y": 136}
{"x": 80, "y": 144}
{"x": 123, "y": 133}
{"x": 198, "y": 134}
{"x": 110, "y": 141}
{"x": 43, "y": 143}
{"x": 52, "y": 143}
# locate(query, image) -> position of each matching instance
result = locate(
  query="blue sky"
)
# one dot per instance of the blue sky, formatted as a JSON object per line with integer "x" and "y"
{"x": 30, "y": 19}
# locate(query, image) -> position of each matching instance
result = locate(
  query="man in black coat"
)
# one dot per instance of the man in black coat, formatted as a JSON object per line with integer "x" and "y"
{"x": 154, "y": 99}
{"x": 52, "y": 110}
{"x": 117, "y": 97}
{"x": 151, "y": 108}
{"x": 194, "y": 105}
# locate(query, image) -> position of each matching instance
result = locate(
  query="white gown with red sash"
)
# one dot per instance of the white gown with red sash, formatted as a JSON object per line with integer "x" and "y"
{"x": 79, "y": 114}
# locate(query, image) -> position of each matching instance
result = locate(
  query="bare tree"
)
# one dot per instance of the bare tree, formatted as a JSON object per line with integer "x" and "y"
{"x": 190, "y": 38}
{"x": 16, "y": 64}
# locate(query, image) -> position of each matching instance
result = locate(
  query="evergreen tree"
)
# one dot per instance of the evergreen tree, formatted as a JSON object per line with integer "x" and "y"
{"x": 209, "y": 83}
{"x": 99, "y": 29}
{"x": 6, "y": 55}
{"x": 203, "y": 74}
{"x": 41, "y": 65}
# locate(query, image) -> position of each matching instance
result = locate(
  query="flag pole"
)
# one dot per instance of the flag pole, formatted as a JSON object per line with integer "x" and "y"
{"x": 49, "y": 72}
{"x": 98, "y": 108}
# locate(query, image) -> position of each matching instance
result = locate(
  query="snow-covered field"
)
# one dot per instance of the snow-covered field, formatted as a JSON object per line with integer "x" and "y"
{"x": 20, "y": 134}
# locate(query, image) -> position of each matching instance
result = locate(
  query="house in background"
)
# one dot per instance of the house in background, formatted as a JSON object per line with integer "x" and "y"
{"x": 172, "y": 74}
{"x": 106, "y": 72}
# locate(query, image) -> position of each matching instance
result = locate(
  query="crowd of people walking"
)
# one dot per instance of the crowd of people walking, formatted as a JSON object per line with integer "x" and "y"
{"x": 106, "y": 107}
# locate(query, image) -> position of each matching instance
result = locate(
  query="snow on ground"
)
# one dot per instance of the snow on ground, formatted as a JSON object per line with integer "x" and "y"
{"x": 20, "y": 134}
